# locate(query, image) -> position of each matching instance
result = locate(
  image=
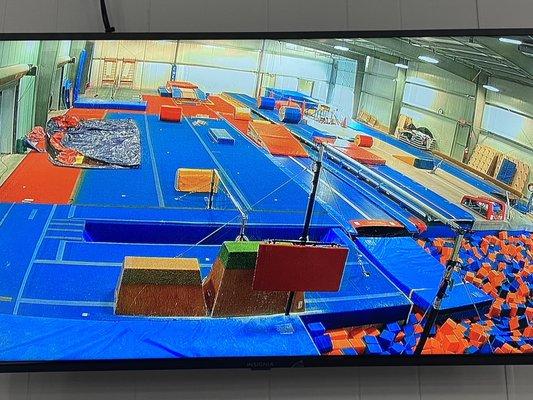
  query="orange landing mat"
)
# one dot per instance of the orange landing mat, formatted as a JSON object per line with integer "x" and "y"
{"x": 278, "y": 140}
{"x": 87, "y": 113}
{"x": 221, "y": 105}
{"x": 362, "y": 155}
{"x": 189, "y": 110}
{"x": 37, "y": 180}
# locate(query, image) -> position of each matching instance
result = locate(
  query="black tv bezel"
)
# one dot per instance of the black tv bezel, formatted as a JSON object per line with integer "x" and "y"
{"x": 267, "y": 362}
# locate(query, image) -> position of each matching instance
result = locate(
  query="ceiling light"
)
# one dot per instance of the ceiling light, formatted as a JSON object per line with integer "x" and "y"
{"x": 400, "y": 65}
{"x": 510, "y": 41}
{"x": 428, "y": 59}
{"x": 491, "y": 88}
{"x": 341, "y": 48}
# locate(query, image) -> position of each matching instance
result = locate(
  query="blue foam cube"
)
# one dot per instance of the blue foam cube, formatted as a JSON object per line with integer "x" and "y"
{"x": 316, "y": 328}
{"x": 349, "y": 352}
{"x": 323, "y": 343}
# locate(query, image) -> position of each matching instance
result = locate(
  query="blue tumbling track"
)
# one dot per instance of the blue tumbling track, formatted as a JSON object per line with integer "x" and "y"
{"x": 338, "y": 196}
{"x": 439, "y": 203}
{"x": 244, "y": 163}
{"x": 436, "y": 201}
{"x": 419, "y": 275}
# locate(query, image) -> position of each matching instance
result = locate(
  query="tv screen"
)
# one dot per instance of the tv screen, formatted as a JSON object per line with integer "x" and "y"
{"x": 265, "y": 201}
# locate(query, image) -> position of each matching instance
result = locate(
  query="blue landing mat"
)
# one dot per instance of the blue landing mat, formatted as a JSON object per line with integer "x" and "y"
{"x": 418, "y": 275}
{"x": 30, "y": 338}
{"x": 86, "y": 102}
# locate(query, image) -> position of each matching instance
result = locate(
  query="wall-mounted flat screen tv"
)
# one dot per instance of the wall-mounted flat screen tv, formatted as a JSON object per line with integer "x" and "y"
{"x": 258, "y": 201}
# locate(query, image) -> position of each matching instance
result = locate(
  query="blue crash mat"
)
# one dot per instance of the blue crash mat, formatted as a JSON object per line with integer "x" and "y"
{"x": 30, "y": 338}
{"x": 418, "y": 275}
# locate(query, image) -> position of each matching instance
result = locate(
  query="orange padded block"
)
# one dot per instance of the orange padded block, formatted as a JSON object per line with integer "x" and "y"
{"x": 170, "y": 113}
{"x": 338, "y": 334}
{"x": 242, "y": 114}
{"x": 362, "y": 155}
{"x": 277, "y": 139}
{"x": 196, "y": 180}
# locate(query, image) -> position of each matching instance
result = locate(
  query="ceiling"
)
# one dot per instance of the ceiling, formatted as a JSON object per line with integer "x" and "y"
{"x": 466, "y": 56}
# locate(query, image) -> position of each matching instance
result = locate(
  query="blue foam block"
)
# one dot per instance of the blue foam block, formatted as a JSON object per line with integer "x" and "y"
{"x": 221, "y": 136}
{"x": 349, "y": 352}
{"x": 323, "y": 343}
{"x": 424, "y": 163}
{"x": 316, "y": 329}
{"x": 374, "y": 348}
{"x": 397, "y": 348}
{"x": 290, "y": 115}
{"x": 267, "y": 103}
{"x": 110, "y": 104}
{"x": 386, "y": 338}
{"x": 164, "y": 92}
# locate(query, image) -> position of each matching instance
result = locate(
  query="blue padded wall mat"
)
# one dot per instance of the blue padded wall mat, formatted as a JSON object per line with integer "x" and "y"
{"x": 507, "y": 172}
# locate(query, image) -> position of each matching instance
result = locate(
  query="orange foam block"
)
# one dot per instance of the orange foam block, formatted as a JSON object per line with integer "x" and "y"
{"x": 170, "y": 113}
{"x": 277, "y": 139}
{"x": 362, "y": 155}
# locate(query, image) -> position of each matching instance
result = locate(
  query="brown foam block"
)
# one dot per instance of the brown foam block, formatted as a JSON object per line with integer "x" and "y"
{"x": 229, "y": 292}
{"x": 156, "y": 286}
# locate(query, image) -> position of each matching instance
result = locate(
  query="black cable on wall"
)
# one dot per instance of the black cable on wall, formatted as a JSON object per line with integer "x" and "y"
{"x": 105, "y": 18}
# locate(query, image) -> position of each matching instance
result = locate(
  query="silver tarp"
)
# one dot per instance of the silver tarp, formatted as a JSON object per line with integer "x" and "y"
{"x": 116, "y": 142}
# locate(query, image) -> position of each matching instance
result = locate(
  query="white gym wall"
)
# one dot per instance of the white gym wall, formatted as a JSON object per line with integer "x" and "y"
{"x": 423, "y": 383}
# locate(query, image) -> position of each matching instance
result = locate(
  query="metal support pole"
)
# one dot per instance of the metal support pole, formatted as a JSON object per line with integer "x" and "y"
{"x": 308, "y": 214}
{"x": 445, "y": 282}
{"x": 242, "y": 235}
{"x": 311, "y": 203}
{"x": 211, "y": 191}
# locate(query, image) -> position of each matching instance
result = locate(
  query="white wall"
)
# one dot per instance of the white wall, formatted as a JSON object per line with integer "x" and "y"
{"x": 264, "y": 15}
{"x": 424, "y": 383}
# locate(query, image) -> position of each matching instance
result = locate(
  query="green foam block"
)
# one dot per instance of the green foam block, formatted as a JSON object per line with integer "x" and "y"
{"x": 239, "y": 255}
